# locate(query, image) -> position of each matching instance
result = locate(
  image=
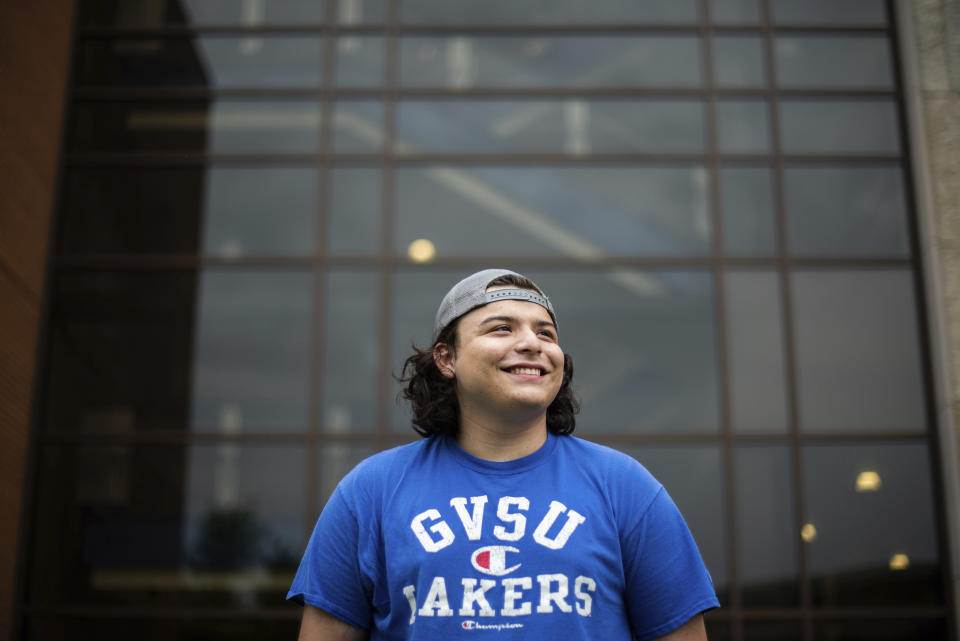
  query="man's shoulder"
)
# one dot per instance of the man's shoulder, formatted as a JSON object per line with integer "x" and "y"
{"x": 603, "y": 461}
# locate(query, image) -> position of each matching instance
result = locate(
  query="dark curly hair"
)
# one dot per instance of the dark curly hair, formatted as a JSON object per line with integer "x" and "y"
{"x": 433, "y": 397}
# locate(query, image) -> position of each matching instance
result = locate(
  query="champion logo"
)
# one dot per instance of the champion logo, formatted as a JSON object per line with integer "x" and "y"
{"x": 492, "y": 560}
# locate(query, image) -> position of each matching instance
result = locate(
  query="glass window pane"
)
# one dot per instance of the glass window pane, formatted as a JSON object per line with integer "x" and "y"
{"x": 857, "y": 350}
{"x": 766, "y": 525}
{"x": 44, "y": 628}
{"x": 860, "y": 12}
{"x": 846, "y": 210}
{"x": 353, "y": 210}
{"x": 357, "y": 126}
{"x": 735, "y": 11}
{"x": 866, "y": 126}
{"x": 693, "y": 478}
{"x": 546, "y": 12}
{"x": 155, "y": 526}
{"x": 748, "y": 209}
{"x": 476, "y": 210}
{"x": 834, "y": 61}
{"x": 757, "y": 371}
{"x": 214, "y": 126}
{"x": 573, "y": 126}
{"x": 229, "y": 211}
{"x": 151, "y": 13}
{"x": 885, "y": 630}
{"x": 120, "y": 351}
{"x": 549, "y": 61}
{"x": 351, "y": 351}
{"x": 351, "y": 12}
{"x": 873, "y": 538}
{"x": 359, "y": 61}
{"x": 739, "y": 61}
{"x": 210, "y": 61}
{"x": 743, "y": 126}
{"x": 251, "y": 351}
{"x": 767, "y": 630}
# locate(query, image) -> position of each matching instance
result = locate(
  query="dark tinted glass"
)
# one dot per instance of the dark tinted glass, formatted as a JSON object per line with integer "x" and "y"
{"x": 150, "y": 13}
{"x": 758, "y": 386}
{"x": 735, "y": 11}
{"x": 834, "y": 61}
{"x": 743, "y": 126}
{"x": 353, "y": 210}
{"x": 572, "y": 126}
{"x": 153, "y": 526}
{"x": 549, "y": 61}
{"x": 858, "y": 351}
{"x": 739, "y": 61}
{"x": 871, "y": 507}
{"x": 209, "y": 61}
{"x": 885, "y": 630}
{"x": 825, "y": 126}
{"x": 846, "y": 210}
{"x": 769, "y": 630}
{"x": 357, "y": 126}
{"x": 693, "y": 477}
{"x": 227, "y": 211}
{"x": 163, "y": 629}
{"x": 351, "y": 349}
{"x": 581, "y": 212}
{"x": 859, "y": 12}
{"x": 354, "y": 12}
{"x": 199, "y": 126}
{"x": 767, "y": 527}
{"x": 746, "y": 194}
{"x": 359, "y": 61}
{"x": 546, "y": 11}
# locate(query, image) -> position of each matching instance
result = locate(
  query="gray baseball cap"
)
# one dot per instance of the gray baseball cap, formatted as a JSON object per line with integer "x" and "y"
{"x": 471, "y": 292}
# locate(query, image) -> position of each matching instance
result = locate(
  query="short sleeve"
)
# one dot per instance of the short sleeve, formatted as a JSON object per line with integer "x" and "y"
{"x": 667, "y": 582}
{"x": 330, "y": 576}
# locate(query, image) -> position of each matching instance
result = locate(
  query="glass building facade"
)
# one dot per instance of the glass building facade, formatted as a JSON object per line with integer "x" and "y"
{"x": 262, "y": 202}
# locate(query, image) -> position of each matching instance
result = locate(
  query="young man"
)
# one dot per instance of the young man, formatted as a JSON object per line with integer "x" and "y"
{"x": 499, "y": 524}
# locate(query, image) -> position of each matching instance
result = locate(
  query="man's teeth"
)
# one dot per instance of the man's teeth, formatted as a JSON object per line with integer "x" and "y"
{"x": 529, "y": 371}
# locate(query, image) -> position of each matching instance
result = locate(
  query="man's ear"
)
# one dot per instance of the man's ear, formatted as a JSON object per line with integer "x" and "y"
{"x": 443, "y": 357}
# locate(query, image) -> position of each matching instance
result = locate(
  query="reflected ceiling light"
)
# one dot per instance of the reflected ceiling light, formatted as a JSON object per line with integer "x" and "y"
{"x": 808, "y": 533}
{"x": 899, "y": 562}
{"x": 868, "y": 481}
{"x": 421, "y": 251}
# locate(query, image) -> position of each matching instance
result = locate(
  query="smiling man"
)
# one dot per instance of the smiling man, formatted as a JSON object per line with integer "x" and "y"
{"x": 499, "y": 524}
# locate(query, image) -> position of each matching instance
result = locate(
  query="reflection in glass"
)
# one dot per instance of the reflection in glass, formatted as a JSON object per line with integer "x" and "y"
{"x": 150, "y": 13}
{"x": 577, "y": 212}
{"x": 858, "y": 351}
{"x": 572, "y": 126}
{"x": 757, "y": 371}
{"x": 694, "y": 479}
{"x": 557, "y": 11}
{"x": 352, "y": 12}
{"x": 866, "y": 126}
{"x": 353, "y": 210}
{"x": 746, "y": 194}
{"x": 334, "y": 462}
{"x": 834, "y": 61}
{"x": 218, "y": 126}
{"x": 549, "y": 61}
{"x": 739, "y": 61}
{"x": 357, "y": 125}
{"x": 359, "y": 61}
{"x": 643, "y": 346}
{"x": 735, "y": 11}
{"x": 854, "y": 12}
{"x": 157, "y": 526}
{"x": 210, "y": 61}
{"x": 251, "y": 353}
{"x": 846, "y": 210}
{"x": 742, "y": 126}
{"x": 350, "y": 351}
{"x": 767, "y": 529}
{"x": 858, "y": 533}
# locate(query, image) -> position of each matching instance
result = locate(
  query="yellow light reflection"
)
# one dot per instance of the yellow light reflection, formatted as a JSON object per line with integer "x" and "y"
{"x": 899, "y": 562}
{"x": 868, "y": 481}
{"x": 421, "y": 251}
{"x": 808, "y": 533}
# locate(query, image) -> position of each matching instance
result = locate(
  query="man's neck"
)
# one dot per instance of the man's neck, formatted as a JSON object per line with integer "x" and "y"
{"x": 495, "y": 442}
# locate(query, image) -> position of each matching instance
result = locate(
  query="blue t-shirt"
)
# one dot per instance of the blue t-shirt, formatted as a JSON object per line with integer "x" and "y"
{"x": 574, "y": 541}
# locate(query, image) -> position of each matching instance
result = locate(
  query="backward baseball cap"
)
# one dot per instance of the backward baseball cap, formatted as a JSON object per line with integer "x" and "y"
{"x": 471, "y": 292}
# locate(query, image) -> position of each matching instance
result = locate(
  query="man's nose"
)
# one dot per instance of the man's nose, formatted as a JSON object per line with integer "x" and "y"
{"x": 527, "y": 340}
